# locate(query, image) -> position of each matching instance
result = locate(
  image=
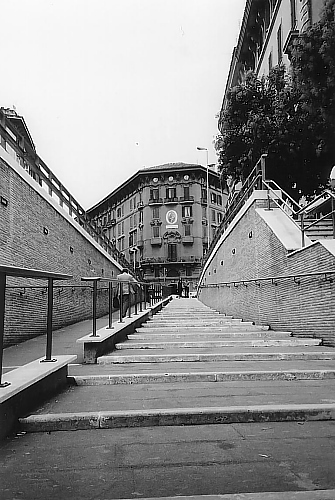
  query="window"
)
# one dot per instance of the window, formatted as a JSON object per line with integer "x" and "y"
{"x": 170, "y": 193}
{"x": 220, "y": 217}
{"x": 204, "y": 193}
{"x": 122, "y": 227}
{"x": 119, "y": 229}
{"x": 213, "y": 198}
{"x": 213, "y": 232}
{"x": 131, "y": 204}
{"x": 131, "y": 221}
{"x": 172, "y": 252}
{"x": 131, "y": 241}
{"x": 188, "y": 271}
{"x": 118, "y": 212}
{"x": 186, "y": 211}
{"x": 156, "y": 271}
{"x": 122, "y": 210}
{"x": 135, "y": 220}
{"x": 219, "y": 199}
{"x": 155, "y": 231}
{"x": 120, "y": 243}
{"x": 154, "y": 194}
{"x": 279, "y": 45}
{"x": 140, "y": 217}
{"x": 187, "y": 230}
{"x": 213, "y": 216}
{"x": 204, "y": 231}
{"x": 204, "y": 212}
{"x": 155, "y": 213}
{"x": 134, "y": 237}
{"x": 186, "y": 192}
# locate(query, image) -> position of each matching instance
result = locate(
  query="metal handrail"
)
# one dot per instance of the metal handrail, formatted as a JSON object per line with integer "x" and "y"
{"x": 41, "y": 173}
{"x": 23, "y": 272}
{"x": 267, "y": 278}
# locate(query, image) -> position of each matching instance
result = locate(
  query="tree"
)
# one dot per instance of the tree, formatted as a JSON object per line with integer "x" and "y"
{"x": 289, "y": 116}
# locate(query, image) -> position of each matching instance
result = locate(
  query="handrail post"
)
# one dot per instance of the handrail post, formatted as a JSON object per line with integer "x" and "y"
{"x": 49, "y": 322}
{"x": 333, "y": 215}
{"x": 121, "y": 301}
{"x": 110, "y": 305}
{"x": 141, "y": 297}
{"x": 263, "y": 166}
{"x": 135, "y": 305}
{"x": 95, "y": 293}
{"x": 129, "y": 302}
{"x": 2, "y": 322}
{"x": 302, "y": 230}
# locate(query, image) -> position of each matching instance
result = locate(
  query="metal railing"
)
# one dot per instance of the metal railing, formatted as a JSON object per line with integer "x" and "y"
{"x": 257, "y": 180}
{"x": 21, "y": 272}
{"x": 273, "y": 279}
{"x": 140, "y": 295}
{"x": 25, "y": 155}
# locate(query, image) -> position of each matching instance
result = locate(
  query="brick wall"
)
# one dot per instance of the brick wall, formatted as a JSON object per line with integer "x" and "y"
{"x": 305, "y": 306}
{"x": 66, "y": 248}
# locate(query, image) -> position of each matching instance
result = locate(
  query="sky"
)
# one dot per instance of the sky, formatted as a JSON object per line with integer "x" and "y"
{"x": 108, "y": 87}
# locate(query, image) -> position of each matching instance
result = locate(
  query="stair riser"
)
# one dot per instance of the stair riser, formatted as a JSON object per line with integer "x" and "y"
{"x": 165, "y": 337}
{"x": 171, "y": 378}
{"x": 183, "y": 416}
{"x": 231, "y": 343}
{"x": 168, "y": 358}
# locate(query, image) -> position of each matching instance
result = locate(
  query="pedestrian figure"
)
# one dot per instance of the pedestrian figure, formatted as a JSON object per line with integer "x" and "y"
{"x": 128, "y": 284}
{"x": 180, "y": 287}
{"x": 187, "y": 289}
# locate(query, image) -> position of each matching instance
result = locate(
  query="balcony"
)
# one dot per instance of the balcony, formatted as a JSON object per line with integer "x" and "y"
{"x": 171, "y": 201}
{"x": 187, "y": 240}
{"x": 187, "y": 199}
{"x": 140, "y": 243}
{"x": 156, "y": 201}
{"x": 156, "y": 241}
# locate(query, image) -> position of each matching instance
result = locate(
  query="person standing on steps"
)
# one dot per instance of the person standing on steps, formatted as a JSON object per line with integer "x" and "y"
{"x": 128, "y": 284}
{"x": 186, "y": 289}
{"x": 180, "y": 287}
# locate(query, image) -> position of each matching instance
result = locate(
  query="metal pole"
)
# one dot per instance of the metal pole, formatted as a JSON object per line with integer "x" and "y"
{"x": 110, "y": 305}
{"x": 208, "y": 211}
{"x": 121, "y": 301}
{"x": 302, "y": 230}
{"x": 135, "y": 294}
{"x": 49, "y": 321}
{"x": 333, "y": 216}
{"x": 2, "y": 322}
{"x": 141, "y": 297}
{"x": 129, "y": 303}
{"x": 95, "y": 290}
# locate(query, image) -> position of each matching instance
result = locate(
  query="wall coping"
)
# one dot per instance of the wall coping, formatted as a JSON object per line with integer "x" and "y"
{"x": 255, "y": 196}
{"x": 27, "y": 375}
{"x": 5, "y": 156}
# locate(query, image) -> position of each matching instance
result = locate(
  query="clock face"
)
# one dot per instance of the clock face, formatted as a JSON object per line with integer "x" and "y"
{"x": 171, "y": 217}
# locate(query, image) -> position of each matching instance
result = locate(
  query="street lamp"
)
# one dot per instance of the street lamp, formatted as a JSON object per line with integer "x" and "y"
{"x": 207, "y": 182}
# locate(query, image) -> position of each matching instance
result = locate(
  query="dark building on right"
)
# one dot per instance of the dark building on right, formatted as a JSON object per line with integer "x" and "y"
{"x": 268, "y": 28}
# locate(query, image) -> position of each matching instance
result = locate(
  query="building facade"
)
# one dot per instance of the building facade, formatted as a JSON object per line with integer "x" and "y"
{"x": 158, "y": 219}
{"x": 268, "y": 29}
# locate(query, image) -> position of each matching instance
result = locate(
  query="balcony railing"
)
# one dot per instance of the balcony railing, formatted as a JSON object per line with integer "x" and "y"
{"x": 186, "y": 199}
{"x": 156, "y": 241}
{"x": 155, "y": 201}
{"x": 187, "y": 240}
{"x": 171, "y": 200}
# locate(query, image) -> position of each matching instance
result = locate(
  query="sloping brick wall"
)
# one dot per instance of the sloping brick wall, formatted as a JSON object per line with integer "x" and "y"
{"x": 305, "y": 306}
{"x": 64, "y": 249}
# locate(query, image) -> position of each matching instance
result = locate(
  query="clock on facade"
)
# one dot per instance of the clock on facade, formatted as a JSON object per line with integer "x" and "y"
{"x": 171, "y": 217}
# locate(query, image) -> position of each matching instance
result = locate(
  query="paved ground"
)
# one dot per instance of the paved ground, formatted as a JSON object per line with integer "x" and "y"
{"x": 170, "y": 461}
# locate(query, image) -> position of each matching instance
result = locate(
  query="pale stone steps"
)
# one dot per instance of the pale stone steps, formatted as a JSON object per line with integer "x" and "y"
{"x": 132, "y": 344}
{"x": 194, "y": 321}
{"x": 209, "y": 326}
{"x": 212, "y": 355}
{"x": 205, "y": 335}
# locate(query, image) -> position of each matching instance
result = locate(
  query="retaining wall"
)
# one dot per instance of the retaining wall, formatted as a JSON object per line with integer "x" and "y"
{"x": 35, "y": 232}
{"x": 251, "y": 250}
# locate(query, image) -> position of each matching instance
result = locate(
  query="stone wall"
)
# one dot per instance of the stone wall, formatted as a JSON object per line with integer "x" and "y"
{"x": 305, "y": 305}
{"x": 36, "y": 233}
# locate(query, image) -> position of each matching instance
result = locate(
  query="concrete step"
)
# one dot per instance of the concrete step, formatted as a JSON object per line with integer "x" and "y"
{"x": 194, "y": 376}
{"x": 206, "y": 355}
{"x": 132, "y": 344}
{"x": 191, "y": 320}
{"x": 200, "y": 326}
{"x": 203, "y": 335}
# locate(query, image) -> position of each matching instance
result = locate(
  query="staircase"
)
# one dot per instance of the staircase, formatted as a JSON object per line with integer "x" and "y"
{"x": 164, "y": 373}
{"x": 320, "y": 231}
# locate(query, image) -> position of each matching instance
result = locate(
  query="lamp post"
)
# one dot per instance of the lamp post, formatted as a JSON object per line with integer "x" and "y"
{"x": 207, "y": 182}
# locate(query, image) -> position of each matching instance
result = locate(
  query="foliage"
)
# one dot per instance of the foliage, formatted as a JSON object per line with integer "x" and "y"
{"x": 291, "y": 117}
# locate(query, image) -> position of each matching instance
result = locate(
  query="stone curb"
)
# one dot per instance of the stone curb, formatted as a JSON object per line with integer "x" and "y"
{"x": 219, "y": 343}
{"x": 248, "y": 356}
{"x": 173, "y": 417}
{"x": 151, "y": 378}
{"x": 268, "y": 495}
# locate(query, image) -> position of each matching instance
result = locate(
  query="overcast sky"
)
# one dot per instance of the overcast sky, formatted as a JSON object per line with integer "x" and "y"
{"x": 109, "y": 86}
